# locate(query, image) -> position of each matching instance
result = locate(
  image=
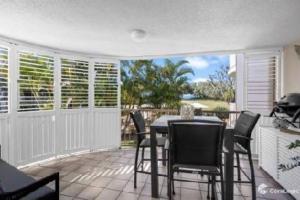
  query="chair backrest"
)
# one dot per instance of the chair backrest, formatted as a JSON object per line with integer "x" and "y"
{"x": 139, "y": 124}
{"x": 196, "y": 142}
{"x": 244, "y": 127}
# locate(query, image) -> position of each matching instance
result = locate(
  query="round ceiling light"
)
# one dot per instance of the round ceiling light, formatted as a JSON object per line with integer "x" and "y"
{"x": 138, "y": 35}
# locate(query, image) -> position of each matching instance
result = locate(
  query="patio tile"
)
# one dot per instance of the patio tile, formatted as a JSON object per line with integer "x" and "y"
{"x": 99, "y": 175}
{"x": 73, "y": 190}
{"x": 71, "y": 177}
{"x": 90, "y": 193}
{"x": 129, "y": 188}
{"x": 32, "y": 170}
{"x": 190, "y": 185}
{"x": 63, "y": 197}
{"x": 146, "y": 191}
{"x": 85, "y": 179}
{"x": 101, "y": 182}
{"x": 63, "y": 185}
{"x": 46, "y": 172}
{"x": 128, "y": 196}
{"x": 108, "y": 194}
{"x": 117, "y": 184}
{"x": 190, "y": 194}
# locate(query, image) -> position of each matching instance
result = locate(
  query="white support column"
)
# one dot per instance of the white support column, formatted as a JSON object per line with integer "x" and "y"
{"x": 13, "y": 64}
{"x": 59, "y": 140}
{"x": 240, "y": 81}
{"x": 91, "y": 130}
{"x": 119, "y": 101}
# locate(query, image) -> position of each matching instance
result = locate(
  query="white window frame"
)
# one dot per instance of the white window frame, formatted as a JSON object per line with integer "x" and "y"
{"x": 117, "y": 63}
{"x": 72, "y": 57}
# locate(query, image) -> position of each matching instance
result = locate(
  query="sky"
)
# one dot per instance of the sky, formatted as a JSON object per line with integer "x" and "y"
{"x": 203, "y": 65}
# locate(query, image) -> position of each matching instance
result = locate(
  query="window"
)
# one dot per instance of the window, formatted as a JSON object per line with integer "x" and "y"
{"x": 261, "y": 85}
{"x": 3, "y": 80}
{"x": 75, "y": 85}
{"x": 106, "y": 85}
{"x": 36, "y": 80}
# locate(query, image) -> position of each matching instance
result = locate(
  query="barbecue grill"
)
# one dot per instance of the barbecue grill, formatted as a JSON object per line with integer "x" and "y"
{"x": 289, "y": 105}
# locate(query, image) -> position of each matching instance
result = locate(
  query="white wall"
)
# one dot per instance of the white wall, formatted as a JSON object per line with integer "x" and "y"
{"x": 291, "y": 69}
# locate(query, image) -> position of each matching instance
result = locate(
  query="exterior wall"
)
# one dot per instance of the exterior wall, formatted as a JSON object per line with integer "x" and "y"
{"x": 291, "y": 69}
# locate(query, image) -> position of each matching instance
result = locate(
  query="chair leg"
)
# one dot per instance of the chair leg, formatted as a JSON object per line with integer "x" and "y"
{"x": 238, "y": 166}
{"x": 163, "y": 151}
{"x": 252, "y": 175}
{"x": 135, "y": 165}
{"x": 173, "y": 185}
{"x": 208, "y": 188}
{"x": 143, "y": 156}
{"x": 213, "y": 187}
{"x": 169, "y": 184}
{"x": 170, "y": 180}
{"x": 222, "y": 183}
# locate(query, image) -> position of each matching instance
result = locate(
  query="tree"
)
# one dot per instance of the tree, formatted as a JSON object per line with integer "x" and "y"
{"x": 220, "y": 86}
{"x": 175, "y": 81}
{"x": 145, "y": 82}
{"x": 134, "y": 76}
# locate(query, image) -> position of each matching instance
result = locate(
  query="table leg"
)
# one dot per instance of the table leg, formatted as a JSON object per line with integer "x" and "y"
{"x": 228, "y": 164}
{"x": 154, "y": 167}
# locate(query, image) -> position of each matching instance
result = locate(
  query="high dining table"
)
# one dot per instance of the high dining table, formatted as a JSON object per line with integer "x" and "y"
{"x": 161, "y": 125}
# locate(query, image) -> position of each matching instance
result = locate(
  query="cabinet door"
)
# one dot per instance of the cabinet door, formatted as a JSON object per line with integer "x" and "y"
{"x": 268, "y": 152}
{"x": 289, "y": 179}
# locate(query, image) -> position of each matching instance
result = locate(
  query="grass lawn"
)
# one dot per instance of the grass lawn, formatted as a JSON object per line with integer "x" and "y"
{"x": 211, "y": 104}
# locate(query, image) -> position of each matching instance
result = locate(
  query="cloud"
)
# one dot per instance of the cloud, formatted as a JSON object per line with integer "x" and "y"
{"x": 197, "y": 62}
{"x": 197, "y": 80}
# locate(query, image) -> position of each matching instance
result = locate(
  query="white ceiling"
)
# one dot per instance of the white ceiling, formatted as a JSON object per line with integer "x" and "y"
{"x": 173, "y": 26}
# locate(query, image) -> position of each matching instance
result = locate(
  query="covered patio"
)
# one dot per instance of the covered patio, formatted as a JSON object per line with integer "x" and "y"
{"x": 61, "y": 112}
{"x": 109, "y": 175}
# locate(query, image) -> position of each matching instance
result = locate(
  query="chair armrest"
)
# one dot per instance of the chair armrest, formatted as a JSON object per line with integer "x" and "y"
{"x": 242, "y": 137}
{"x": 225, "y": 150}
{"x": 142, "y": 133}
{"x": 167, "y": 144}
{"x": 33, "y": 187}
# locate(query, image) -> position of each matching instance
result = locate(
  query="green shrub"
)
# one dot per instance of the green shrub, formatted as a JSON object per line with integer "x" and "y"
{"x": 221, "y": 112}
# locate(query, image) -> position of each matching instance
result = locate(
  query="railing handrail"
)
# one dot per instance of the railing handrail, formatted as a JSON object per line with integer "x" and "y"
{"x": 175, "y": 110}
{"x": 150, "y": 114}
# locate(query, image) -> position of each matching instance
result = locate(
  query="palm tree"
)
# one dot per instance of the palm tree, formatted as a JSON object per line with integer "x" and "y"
{"x": 134, "y": 76}
{"x": 145, "y": 82}
{"x": 175, "y": 81}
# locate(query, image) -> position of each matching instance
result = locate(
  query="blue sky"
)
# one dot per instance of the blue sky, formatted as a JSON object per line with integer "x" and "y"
{"x": 203, "y": 65}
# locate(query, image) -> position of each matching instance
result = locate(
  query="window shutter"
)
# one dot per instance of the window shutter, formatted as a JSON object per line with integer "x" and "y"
{"x": 106, "y": 85}
{"x": 36, "y": 80}
{"x": 75, "y": 85}
{"x": 3, "y": 80}
{"x": 261, "y": 85}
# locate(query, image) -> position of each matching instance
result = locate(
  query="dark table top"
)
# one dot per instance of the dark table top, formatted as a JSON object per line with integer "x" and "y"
{"x": 163, "y": 120}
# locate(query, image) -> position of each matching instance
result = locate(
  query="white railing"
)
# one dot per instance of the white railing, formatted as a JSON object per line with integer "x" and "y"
{"x": 36, "y": 136}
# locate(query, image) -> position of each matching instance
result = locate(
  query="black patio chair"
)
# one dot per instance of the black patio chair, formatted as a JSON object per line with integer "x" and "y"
{"x": 15, "y": 185}
{"x": 143, "y": 142}
{"x": 242, "y": 140}
{"x": 195, "y": 146}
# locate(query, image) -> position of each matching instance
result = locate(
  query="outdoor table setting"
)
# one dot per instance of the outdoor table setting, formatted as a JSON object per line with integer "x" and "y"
{"x": 161, "y": 125}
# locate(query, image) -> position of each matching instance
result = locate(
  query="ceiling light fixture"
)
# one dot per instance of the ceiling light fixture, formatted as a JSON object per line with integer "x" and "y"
{"x": 138, "y": 35}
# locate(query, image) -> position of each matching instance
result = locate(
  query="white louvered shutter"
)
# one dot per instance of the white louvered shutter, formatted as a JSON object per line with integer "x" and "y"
{"x": 3, "y": 80}
{"x": 36, "y": 81}
{"x": 106, "y": 85}
{"x": 261, "y": 81}
{"x": 74, "y": 84}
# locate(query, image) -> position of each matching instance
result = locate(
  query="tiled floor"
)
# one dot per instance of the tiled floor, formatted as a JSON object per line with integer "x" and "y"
{"x": 109, "y": 176}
